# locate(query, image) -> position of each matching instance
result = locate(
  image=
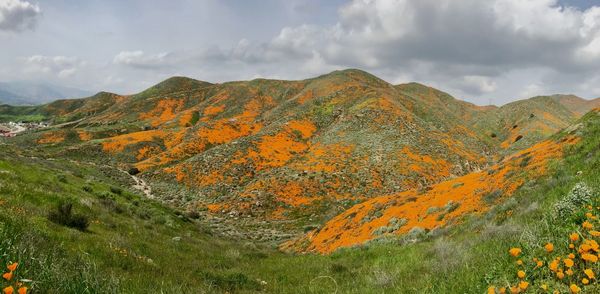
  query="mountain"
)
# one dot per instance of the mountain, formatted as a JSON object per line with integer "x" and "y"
{"x": 339, "y": 183}
{"x": 300, "y": 151}
{"x": 32, "y": 93}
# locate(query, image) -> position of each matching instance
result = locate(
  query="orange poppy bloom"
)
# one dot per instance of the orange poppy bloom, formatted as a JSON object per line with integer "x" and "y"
{"x": 585, "y": 281}
{"x": 571, "y": 256}
{"x": 568, "y": 262}
{"x": 595, "y": 233}
{"x": 589, "y": 273}
{"x": 8, "y": 276}
{"x": 560, "y": 275}
{"x": 13, "y": 266}
{"x": 553, "y": 265}
{"x": 571, "y": 246}
{"x": 8, "y": 290}
{"x": 519, "y": 262}
{"x": 574, "y": 237}
{"x": 22, "y": 290}
{"x": 491, "y": 290}
{"x": 589, "y": 257}
{"x": 523, "y": 285}
{"x": 574, "y": 288}
{"x": 549, "y": 247}
{"x": 587, "y": 225}
{"x": 540, "y": 263}
{"x": 515, "y": 251}
{"x": 569, "y": 272}
{"x": 521, "y": 274}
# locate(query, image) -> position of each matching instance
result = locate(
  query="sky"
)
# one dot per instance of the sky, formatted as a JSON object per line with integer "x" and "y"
{"x": 482, "y": 51}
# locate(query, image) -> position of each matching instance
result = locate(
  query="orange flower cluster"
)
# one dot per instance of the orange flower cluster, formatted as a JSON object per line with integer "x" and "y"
{"x": 572, "y": 271}
{"x": 13, "y": 283}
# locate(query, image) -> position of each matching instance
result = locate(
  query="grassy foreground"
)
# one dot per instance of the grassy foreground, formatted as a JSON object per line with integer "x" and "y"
{"x": 135, "y": 245}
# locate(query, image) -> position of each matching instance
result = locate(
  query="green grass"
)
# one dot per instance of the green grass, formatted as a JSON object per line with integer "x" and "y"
{"x": 132, "y": 243}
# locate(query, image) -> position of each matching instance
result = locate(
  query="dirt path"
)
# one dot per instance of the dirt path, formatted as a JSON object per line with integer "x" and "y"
{"x": 141, "y": 186}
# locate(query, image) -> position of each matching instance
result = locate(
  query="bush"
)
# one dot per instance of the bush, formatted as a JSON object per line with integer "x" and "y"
{"x": 63, "y": 215}
{"x": 580, "y": 195}
{"x": 116, "y": 190}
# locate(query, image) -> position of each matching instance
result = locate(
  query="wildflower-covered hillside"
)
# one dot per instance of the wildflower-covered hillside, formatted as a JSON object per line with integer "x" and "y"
{"x": 369, "y": 187}
{"x": 295, "y": 152}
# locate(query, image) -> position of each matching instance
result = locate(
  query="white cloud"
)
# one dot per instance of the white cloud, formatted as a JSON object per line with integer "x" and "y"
{"x": 17, "y": 15}
{"x": 141, "y": 60}
{"x": 60, "y": 66}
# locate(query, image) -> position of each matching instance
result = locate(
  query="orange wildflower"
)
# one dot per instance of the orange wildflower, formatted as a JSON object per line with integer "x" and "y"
{"x": 589, "y": 257}
{"x": 8, "y": 276}
{"x": 22, "y": 290}
{"x": 589, "y": 273}
{"x": 521, "y": 274}
{"x": 595, "y": 233}
{"x": 569, "y": 272}
{"x": 519, "y": 262}
{"x": 540, "y": 263}
{"x": 560, "y": 275}
{"x": 549, "y": 247}
{"x": 571, "y": 246}
{"x": 553, "y": 265}
{"x": 568, "y": 262}
{"x": 574, "y": 237}
{"x": 515, "y": 251}
{"x": 571, "y": 256}
{"x": 491, "y": 290}
{"x": 523, "y": 285}
{"x": 585, "y": 281}
{"x": 514, "y": 290}
{"x": 587, "y": 225}
{"x": 13, "y": 266}
{"x": 574, "y": 288}
{"x": 8, "y": 290}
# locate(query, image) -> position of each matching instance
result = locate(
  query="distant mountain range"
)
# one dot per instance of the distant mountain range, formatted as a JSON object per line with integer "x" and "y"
{"x": 32, "y": 93}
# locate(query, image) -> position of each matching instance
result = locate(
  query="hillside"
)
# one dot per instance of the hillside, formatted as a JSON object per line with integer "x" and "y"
{"x": 133, "y": 244}
{"x": 278, "y": 157}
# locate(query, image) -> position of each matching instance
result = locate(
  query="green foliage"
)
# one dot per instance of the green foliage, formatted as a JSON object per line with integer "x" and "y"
{"x": 63, "y": 215}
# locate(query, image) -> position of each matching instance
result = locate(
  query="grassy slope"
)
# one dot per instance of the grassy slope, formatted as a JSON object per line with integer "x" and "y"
{"x": 465, "y": 259}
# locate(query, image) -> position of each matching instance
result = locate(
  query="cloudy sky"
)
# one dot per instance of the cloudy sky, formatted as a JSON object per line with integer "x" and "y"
{"x": 478, "y": 50}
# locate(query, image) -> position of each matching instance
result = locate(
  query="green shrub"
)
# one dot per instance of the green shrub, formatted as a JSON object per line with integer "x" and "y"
{"x": 63, "y": 215}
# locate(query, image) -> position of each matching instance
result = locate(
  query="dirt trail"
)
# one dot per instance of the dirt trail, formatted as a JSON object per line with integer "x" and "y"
{"x": 141, "y": 186}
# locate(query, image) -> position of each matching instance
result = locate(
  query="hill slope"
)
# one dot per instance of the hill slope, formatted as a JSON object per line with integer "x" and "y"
{"x": 292, "y": 153}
